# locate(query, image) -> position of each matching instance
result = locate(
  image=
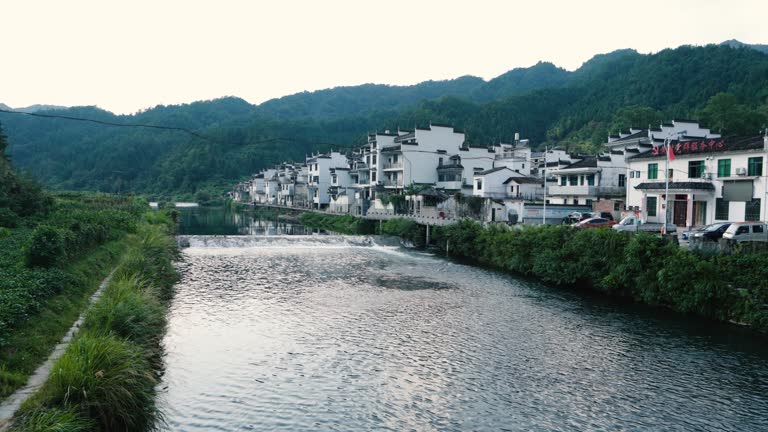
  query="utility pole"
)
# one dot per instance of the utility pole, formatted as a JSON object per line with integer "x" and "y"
{"x": 544, "y": 213}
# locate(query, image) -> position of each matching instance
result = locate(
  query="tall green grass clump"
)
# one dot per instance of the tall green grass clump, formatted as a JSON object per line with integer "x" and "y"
{"x": 53, "y": 420}
{"x": 128, "y": 309}
{"x": 105, "y": 379}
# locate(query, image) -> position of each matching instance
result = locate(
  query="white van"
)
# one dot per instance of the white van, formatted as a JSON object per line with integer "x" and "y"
{"x": 747, "y": 232}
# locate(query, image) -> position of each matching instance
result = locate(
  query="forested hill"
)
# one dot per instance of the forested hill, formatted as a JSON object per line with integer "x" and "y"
{"x": 726, "y": 87}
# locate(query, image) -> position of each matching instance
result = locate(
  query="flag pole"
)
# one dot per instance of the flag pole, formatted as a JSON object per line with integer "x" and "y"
{"x": 666, "y": 188}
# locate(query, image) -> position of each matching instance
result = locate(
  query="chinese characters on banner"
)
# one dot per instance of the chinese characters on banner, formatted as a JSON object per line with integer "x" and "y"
{"x": 688, "y": 147}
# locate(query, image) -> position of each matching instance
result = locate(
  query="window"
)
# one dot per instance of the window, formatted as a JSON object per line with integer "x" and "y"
{"x": 721, "y": 209}
{"x": 650, "y": 206}
{"x": 742, "y": 230}
{"x": 724, "y": 168}
{"x": 572, "y": 180}
{"x": 653, "y": 171}
{"x": 373, "y": 175}
{"x": 670, "y": 173}
{"x": 695, "y": 169}
{"x": 617, "y": 206}
{"x": 757, "y": 228}
{"x": 589, "y": 202}
{"x": 752, "y": 212}
{"x": 581, "y": 180}
{"x": 755, "y": 166}
{"x": 622, "y": 180}
{"x": 562, "y": 180}
{"x": 631, "y": 174}
{"x": 479, "y": 185}
{"x": 591, "y": 180}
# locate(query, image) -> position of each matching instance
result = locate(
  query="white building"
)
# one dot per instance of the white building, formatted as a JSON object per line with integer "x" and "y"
{"x": 710, "y": 180}
{"x": 600, "y": 181}
{"x": 319, "y": 176}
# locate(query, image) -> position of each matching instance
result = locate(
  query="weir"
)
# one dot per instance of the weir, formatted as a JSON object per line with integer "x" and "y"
{"x": 285, "y": 241}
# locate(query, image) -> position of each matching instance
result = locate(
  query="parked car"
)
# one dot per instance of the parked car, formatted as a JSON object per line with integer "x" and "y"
{"x": 711, "y": 232}
{"x": 633, "y": 223}
{"x": 747, "y": 232}
{"x": 576, "y": 217}
{"x": 594, "y": 223}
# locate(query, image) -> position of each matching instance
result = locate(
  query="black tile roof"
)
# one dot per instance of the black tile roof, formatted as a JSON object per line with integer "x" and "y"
{"x": 524, "y": 180}
{"x": 587, "y": 162}
{"x": 676, "y": 185}
{"x": 637, "y": 135}
{"x": 491, "y": 171}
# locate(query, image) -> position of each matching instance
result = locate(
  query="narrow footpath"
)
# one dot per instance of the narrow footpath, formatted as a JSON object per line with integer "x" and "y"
{"x": 40, "y": 376}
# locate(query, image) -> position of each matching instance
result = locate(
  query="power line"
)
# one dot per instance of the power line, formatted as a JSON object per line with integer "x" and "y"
{"x": 106, "y": 123}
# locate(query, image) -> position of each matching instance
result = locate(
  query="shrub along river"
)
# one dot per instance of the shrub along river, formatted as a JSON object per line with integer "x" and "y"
{"x": 273, "y": 331}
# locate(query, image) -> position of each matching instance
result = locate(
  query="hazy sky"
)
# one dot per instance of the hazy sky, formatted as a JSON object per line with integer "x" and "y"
{"x": 130, "y": 55}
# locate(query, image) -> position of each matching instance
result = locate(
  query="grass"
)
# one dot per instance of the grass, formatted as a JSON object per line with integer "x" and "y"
{"x": 32, "y": 342}
{"x": 105, "y": 379}
{"x": 107, "y": 376}
{"x": 53, "y": 421}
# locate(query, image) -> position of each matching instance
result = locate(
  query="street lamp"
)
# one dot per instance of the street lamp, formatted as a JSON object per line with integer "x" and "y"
{"x": 667, "y": 142}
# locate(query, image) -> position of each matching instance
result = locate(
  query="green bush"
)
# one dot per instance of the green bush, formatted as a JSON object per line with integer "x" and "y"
{"x": 106, "y": 379}
{"x": 8, "y": 218}
{"x": 406, "y": 229}
{"x": 643, "y": 266}
{"x": 47, "y": 247}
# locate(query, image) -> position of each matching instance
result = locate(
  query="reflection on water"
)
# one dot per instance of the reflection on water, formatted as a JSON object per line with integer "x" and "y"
{"x": 351, "y": 338}
{"x": 225, "y": 221}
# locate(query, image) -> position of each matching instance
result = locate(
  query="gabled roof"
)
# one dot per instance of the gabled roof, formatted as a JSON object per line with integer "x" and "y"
{"x": 587, "y": 162}
{"x": 637, "y": 135}
{"x": 491, "y": 171}
{"x": 524, "y": 180}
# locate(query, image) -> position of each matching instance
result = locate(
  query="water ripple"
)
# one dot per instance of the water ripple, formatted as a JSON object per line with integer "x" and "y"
{"x": 355, "y": 338}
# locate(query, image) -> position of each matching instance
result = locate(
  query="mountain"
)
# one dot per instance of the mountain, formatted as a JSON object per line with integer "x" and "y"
{"x": 724, "y": 86}
{"x": 733, "y": 43}
{"x": 33, "y": 108}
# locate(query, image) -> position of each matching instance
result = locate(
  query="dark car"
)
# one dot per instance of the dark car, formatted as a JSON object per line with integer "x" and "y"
{"x": 712, "y": 232}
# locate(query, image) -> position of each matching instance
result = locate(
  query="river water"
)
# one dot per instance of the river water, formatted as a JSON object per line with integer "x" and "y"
{"x": 333, "y": 333}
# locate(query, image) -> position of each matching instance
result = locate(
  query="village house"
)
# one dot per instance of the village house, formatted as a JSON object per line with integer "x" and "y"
{"x": 319, "y": 176}
{"x": 710, "y": 180}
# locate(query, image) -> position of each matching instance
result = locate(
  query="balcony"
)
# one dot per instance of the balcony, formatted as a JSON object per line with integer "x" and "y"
{"x": 595, "y": 191}
{"x": 393, "y": 166}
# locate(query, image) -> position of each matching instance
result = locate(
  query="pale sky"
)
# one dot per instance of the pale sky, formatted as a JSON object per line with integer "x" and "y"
{"x": 131, "y": 55}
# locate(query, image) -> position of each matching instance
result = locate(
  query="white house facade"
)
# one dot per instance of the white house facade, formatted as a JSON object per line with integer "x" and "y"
{"x": 710, "y": 180}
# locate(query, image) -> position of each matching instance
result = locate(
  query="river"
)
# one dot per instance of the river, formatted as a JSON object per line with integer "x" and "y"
{"x": 334, "y": 333}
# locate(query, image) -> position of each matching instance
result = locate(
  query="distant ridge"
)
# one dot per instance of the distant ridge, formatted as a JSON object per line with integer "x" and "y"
{"x": 34, "y": 108}
{"x": 733, "y": 43}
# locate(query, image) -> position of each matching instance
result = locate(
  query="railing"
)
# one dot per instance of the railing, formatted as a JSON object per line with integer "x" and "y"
{"x": 393, "y": 165}
{"x": 586, "y": 190}
{"x": 393, "y": 183}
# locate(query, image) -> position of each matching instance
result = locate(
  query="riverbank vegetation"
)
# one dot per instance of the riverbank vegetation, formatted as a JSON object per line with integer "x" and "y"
{"x": 105, "y": 381}
{"x": 642, "y": 267}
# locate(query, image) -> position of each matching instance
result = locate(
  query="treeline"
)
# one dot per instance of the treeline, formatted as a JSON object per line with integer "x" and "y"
{"x": 643, "y": 267}
{"x": 724, "y": 87}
